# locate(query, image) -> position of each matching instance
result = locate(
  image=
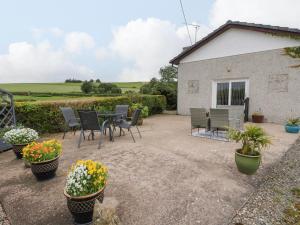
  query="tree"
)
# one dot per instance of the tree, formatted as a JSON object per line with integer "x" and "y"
{"x": 98, "y": 81}
{"x": 87, "y": 87}
{"x": 168, "y": 74}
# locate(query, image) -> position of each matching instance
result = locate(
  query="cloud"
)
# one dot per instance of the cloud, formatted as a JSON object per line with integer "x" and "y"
{"x": 279, "y": 12}
{"x": 102, "y": 53}
{"x": 40, "y": 32}
{"x": 26, "y": 62}
{"x": 75, "y": 42}
{"x": 146, "y": 45}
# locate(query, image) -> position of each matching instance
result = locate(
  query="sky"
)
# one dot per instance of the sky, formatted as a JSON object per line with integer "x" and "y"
{"x": 52, "y": 40}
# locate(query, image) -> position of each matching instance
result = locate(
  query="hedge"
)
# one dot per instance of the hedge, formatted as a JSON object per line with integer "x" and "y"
{"x": 45, "y": 116}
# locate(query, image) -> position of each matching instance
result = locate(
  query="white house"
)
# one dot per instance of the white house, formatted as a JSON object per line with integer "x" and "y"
{"x": 240, "y": 60}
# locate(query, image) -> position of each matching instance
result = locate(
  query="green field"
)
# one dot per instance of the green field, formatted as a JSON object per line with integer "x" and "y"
{"x": 61, "y": 87}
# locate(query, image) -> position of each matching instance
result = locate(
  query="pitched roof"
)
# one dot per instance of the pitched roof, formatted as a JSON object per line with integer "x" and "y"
{"x": 235, "y": 24}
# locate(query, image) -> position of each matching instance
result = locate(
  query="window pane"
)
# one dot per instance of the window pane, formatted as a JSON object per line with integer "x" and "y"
{"x": 222, "y": 93}
{"x": 237, "y": 93}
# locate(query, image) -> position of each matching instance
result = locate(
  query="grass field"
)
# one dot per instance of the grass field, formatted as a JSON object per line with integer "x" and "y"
{"x": 61, "y": 87}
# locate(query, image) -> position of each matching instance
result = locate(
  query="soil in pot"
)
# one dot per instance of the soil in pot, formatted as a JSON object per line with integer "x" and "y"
{"x": 247, "y": 164}
{"x": 18, "y": 150}
{"x": 257, "y": 118}
{"x": 45, "y": 170}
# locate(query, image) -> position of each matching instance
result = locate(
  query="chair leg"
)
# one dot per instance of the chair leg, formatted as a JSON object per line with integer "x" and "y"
{"x": 80, "y": 137}
{"x": 65, "y": 131}
{"x": 131, "y": 135}
{"x": 138, "y": 131}
{"x": 120, "y": 131}
{"x": 100, "y": 139}
{"x": 74, "y": 129}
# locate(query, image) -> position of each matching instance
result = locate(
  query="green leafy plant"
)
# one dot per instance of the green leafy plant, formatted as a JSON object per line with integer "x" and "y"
{"x": 253, "y": 139}
{"x": 144, "y": 109}
{"x": 293, "y": 122}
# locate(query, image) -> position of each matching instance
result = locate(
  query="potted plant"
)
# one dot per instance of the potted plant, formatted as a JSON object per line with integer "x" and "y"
{"x": 257, "y": 117}
{"x": 43, "y": 158}
{"x": 19, "y": 138}
{"x": 86, "y": 182}
{"x": 253, "y": 140}
{"x": 292, "y": 125}
{"x": 144, "y": 112}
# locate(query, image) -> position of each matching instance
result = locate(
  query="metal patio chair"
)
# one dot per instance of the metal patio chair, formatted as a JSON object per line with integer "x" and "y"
{"x": 71, "y": 122}
{"x": 199, "y": 118}
{"x": 89, "y": 121}
{"x": 133, "y": 123}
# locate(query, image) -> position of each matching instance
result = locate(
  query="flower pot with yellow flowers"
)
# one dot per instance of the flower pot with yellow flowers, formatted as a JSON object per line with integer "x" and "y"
{"x": 43, "y": 157}
{"x": 86, "y": 182}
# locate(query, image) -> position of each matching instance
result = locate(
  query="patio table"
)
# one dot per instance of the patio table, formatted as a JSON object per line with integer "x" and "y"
{"x": 110, "y": 117}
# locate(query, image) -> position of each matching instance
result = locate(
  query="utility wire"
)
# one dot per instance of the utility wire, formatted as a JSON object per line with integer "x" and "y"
{"x": 186, "y": 24}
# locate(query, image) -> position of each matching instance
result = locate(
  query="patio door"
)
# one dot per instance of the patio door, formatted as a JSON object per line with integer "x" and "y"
{"x": 229, "y": 92}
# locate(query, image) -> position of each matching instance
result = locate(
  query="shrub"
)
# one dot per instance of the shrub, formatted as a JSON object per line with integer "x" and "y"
{"x": 86, "y": 177}
{"x": 87, "y": 87}
{"x": 39, "y": 152}
{"x": 46, "y": 117}
{"x": 144, "y": 109}
{"x": 293, "y": 122}
{"x": 20, "y": 136}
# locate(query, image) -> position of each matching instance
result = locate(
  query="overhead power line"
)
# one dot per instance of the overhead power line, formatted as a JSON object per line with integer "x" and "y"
{"x": 186, "y": 24}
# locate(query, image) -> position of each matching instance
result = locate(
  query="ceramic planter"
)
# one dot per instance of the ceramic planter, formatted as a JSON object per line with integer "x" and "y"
{"x": 82, "y": 208}
{"x": 18, "y": 150}
{"x": 257, "y": 118}
{"x": 44, "y": 170}
{"x": 247, "y": 164}
{"x": 292, "y": 129}
{"x": 140, "y": 122}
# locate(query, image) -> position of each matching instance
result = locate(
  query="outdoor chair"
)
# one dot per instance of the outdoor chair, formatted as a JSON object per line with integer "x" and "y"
{"x": 71, "y": 122}
{"x": 198, "y": 118}
{"x": 236, "y": 118}
{"x": 219, "y": 119}
{"x": 89, "y": 121}
{"x": 133, "y": 123}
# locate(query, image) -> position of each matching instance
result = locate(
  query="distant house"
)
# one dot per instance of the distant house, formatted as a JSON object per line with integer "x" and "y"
{"x": 240, "y": 60}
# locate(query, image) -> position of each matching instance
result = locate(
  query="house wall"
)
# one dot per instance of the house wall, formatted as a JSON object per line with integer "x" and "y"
{"x": 238, "y": 41}
{"x": 274, "y": 86}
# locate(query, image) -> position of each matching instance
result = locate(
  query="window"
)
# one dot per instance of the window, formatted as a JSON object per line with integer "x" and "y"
{"x": 230, "y": 92}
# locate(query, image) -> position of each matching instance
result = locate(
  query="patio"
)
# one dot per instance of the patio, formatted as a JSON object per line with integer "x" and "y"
{"x": 166, "y": 178}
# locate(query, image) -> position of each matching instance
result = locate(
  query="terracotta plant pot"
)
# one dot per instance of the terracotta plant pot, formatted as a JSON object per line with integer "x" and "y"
{"x": 44, "y": 170}
{"x": 247, "y": 164}
{"x": 82, "y": 208}
{"x": 257, "y": 118}
{"x": 18, "y": 150}
{"x": 140, "y": 121}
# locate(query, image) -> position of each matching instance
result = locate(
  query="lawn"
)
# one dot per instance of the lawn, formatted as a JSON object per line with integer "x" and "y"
{"x": 61, "y": 87}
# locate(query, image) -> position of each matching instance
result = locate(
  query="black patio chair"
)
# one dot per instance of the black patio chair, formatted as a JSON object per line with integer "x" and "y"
{"x": 89, "y": 121}
{"x": 133, "y": 123}
{"x": 71, "y": 122}
{"x": 123, "y": 111}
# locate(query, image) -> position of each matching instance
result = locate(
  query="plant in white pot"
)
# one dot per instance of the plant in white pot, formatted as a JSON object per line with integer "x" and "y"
{"x": 19, "y": 138}
{"x": 253, "y": 140}
{"x": 86, "y": 182}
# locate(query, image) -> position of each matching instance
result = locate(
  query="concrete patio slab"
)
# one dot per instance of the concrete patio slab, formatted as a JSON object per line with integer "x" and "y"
{"x": 166, "y": 178}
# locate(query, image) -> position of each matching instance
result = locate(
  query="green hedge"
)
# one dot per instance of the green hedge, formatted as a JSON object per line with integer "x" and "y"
{"x": 45, "y": 116}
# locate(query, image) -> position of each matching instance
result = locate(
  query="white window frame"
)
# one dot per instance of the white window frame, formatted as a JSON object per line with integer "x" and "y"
{"x": 214, "y": 90}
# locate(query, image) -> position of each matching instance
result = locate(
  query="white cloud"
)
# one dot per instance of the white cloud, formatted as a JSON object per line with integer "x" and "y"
{"x": 75, "y": 42}
{"x": 102, "y": 53}
{"x": 40, "y": 32}
{"x": 26, "y": 62}
{"x": 279, "y": 12}
{"x": 148, "y": 45}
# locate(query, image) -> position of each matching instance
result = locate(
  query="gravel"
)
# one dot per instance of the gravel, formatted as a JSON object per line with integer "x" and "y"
{"x": 278, "y": 194}
{"x": 3, "y": 217}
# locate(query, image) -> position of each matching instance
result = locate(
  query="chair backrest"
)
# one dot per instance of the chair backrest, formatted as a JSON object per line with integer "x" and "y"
{"x": 236, "y": 117}
{"x": 89, "y": 120}
{"x": 198, "y": 117}
{"x": 68, "y": 114}
{"x": 135, "y": 117}
{"x": 123, "y": 109}
{"x": 219, "y": 118}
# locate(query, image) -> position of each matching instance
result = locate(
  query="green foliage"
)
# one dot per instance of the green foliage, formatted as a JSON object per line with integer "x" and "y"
{"x": 144, "y": 109}
{"x": 72, "y": 80}
{"x": 253, "y": 139}
{"x": 166, "y": 86}
{"x": 87, "y": 87}
{"x": 168, "y": 74}
{"x": 293, "y": 122}
{"x": 294, "y": 52}
{"x": 45, "y": 116}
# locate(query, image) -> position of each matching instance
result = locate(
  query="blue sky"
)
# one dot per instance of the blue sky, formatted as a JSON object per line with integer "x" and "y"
{"x": 51, "y": 40}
